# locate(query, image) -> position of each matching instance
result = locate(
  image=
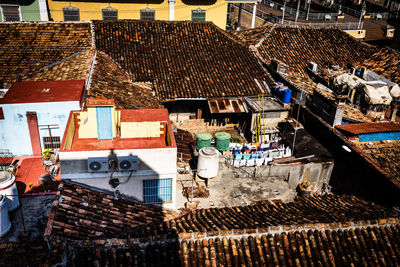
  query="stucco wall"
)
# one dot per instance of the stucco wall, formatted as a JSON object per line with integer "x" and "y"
{"x": 31, "y": 12}
{"x": 93, "y": 11}
{"x": 132, "y": 187}
{"x": 14, "y": 133}
{"x": 359, "y": 34}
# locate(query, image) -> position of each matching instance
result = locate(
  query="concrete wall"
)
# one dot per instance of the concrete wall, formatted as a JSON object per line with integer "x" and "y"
{"x": 14, "y": 133}
{"x": 153, "y": 164}
{"x": 215, "y": 11}
{"x": 294, "y": 173}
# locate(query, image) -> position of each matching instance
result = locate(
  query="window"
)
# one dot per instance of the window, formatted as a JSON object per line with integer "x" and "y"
{"x": 198, "y": 15}
{"x": 10, "y": 13}
{"x": 71, "y": 14}
{"x": 110, "y": 14}
{"x": 148, "y": 13}
{"x": 158, "y": 190}
{"x": 53, "y": 142}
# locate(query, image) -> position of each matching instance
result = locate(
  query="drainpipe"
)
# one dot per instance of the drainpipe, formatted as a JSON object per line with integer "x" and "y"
{"x": 171, "y": 9}
{"x": 253, "y": 19}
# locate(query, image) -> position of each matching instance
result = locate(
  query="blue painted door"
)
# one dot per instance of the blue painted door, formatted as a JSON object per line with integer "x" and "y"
{"x": 104, "y": 123}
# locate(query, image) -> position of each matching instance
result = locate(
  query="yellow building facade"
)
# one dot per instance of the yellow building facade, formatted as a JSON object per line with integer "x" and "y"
{"x": 209, "y": 10}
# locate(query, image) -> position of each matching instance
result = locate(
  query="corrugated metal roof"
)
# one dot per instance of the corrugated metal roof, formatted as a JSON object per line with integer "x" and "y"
{"x": 365, "y": 128}
{"x": 256, "y": 104}
{"x": 226, "y": 106}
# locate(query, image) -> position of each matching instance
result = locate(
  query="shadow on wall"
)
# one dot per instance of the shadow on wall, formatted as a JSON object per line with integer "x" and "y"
{"x": 125, "y": 175}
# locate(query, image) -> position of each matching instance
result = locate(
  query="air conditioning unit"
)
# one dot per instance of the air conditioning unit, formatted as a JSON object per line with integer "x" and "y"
{"x": 98, "y": 164}
{"x": 128, "y": 163}
{"x": 312, "y": 66}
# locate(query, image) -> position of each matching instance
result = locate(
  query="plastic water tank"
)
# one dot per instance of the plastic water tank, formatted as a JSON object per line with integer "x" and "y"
{"x": 287, "y": 93}
{"x": 203, "y": 140}
{"x": 222, "y": 141}
{"x": 207, "y": 164}
{"x": 5, "y": 224}
{"x": 8, "y": 187}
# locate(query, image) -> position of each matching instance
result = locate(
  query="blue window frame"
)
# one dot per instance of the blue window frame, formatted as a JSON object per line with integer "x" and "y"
{"x": 158, "y": 190}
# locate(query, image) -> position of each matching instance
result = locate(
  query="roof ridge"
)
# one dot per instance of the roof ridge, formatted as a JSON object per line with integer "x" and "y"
{"x": 279, "y": 229}
{"x": 266, "y": 36}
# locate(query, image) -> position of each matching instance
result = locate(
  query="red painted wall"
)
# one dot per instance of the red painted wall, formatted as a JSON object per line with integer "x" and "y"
{"x": 34, "y": 133}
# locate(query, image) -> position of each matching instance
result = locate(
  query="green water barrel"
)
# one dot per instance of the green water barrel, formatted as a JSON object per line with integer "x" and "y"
{"x": 222, "y": 140}
{"x": 203, "y": 140}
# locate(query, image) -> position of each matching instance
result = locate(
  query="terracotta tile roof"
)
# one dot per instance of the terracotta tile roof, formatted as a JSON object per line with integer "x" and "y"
{"x": 302, "y": 83}
{"x": 365, "y": 128}
{"x": 253, "y": 36}
{"x": 183, "y": 59}
{"x": 376, "y": 246}
{"x": 353, "y": 247}
{"x": 109, "y": 81}
{"x": 32, "y": 253}
{"x": 385, "y": 154}
{"x": 385, "y": 62}
{"x": 27, "y": 47}
{"x": 82, "y": 213}
{"x": 310, "y": 230}
{"x": 304, "y": 210}
{"x": 354, "y": 114}
{"x": 75, "y": 67}
{"x": 296, "y": 46}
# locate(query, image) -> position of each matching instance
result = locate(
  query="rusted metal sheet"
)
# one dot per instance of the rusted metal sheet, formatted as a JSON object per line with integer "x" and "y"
{"x": 226, "y": 106}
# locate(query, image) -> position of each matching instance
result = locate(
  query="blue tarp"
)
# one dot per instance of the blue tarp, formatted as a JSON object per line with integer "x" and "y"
{"x": 379, "y": 136}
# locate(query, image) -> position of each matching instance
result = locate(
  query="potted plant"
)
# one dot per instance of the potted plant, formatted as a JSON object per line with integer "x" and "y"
{"x": 46, "y": 154}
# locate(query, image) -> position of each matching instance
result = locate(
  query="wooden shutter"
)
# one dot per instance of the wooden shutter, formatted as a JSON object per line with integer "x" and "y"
{"x": 11, "y": 13}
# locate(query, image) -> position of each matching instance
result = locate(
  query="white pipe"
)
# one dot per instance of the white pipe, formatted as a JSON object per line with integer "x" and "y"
{"x": 171, "y": 9}
{"x": 253, "y": 19}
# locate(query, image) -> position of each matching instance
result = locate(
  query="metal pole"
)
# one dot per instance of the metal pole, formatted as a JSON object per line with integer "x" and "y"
{"x": 308, "y": 8}
{"x": 283, "y": 12}
{"x": 295, "y": 129}
{"x": 239, "y": 16}
{"x": 297, "y": 12}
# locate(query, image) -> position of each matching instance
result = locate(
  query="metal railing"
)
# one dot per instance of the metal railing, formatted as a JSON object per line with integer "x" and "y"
{"x": 302, "y": 15}
{"x": 340, "y": 25}
{"x": 357, "y": 13}
{"x": 271, "y": 18}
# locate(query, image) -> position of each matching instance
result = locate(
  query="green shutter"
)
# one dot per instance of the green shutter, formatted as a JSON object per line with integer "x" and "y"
{"x": 198, "y": 15}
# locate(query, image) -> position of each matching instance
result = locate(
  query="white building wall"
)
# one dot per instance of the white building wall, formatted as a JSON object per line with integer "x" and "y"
{"x": 156, "y": 163}
{"x": 14, "y": 132}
